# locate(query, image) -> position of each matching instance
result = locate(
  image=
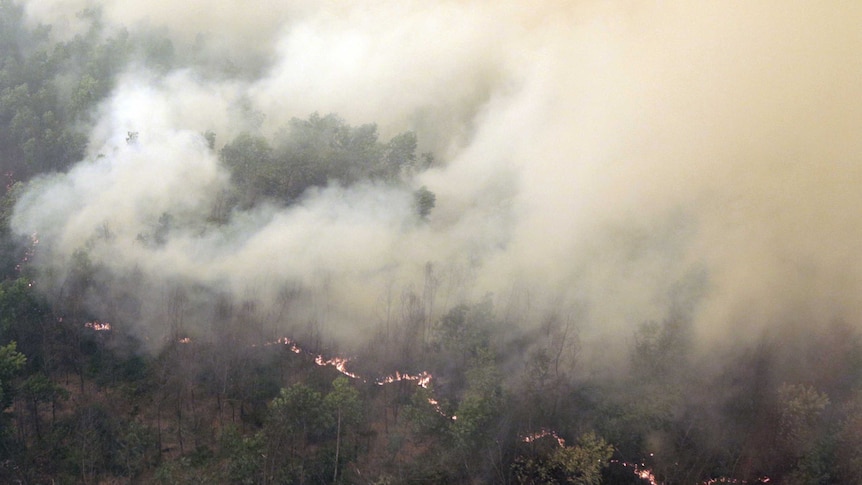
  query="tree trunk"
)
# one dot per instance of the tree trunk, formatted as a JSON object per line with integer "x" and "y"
{"x": 337, "y": 447}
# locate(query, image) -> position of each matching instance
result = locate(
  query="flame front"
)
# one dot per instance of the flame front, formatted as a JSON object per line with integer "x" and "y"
{"x": 542, "y": 433}
{"x": 422, "y": 379}
{"x": 97, "y": 325}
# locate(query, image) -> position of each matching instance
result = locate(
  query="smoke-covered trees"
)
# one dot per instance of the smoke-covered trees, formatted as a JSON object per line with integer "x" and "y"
{"x": 317, "y": 151}
{"x": 218, "y": 396}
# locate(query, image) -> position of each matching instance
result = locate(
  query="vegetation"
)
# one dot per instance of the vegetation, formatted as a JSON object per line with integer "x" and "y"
{"x": 85, "y": 401}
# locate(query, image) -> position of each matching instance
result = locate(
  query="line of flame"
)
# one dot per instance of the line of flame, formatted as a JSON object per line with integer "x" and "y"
{"x": 422, "y": 379}
{"x": 97, "y": 325}
{"x": 542, "y": 433}
{"x": 763, "y": 479}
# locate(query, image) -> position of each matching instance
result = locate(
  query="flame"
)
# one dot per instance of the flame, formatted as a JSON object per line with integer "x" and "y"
{"x": 185, "y": 340}
{"x": 640, "y": 471}
{"x": 734, "y": 480}
{"x": 28, "y": 253}
{"x": 340, "y": 363}
{"x": 422, "y": 379}
{"x": 542, "y": 433}
{"x": 96, "y": 325}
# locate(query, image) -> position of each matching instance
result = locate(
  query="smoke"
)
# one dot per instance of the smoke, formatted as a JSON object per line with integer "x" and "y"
{"x": 600, "y": 155}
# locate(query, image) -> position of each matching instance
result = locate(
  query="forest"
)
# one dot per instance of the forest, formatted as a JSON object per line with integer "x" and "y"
{"x": 205, "y": 282}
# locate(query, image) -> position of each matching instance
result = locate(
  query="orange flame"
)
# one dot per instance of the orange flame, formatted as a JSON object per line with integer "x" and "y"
{"x": 640, "y": 471}
{"x": 97, "y": 326}
{"x": 340, "y": 363}
{"x": 422, "y": 379}
{"x": 542, "y": 433}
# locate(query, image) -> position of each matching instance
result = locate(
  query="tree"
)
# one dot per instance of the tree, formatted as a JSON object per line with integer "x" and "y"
{"x": 424, "y": 201}
{"x": 801, "y": 432}
{"x": 38, "y": 389}
{"x": 581, "y": 464}
{"x": 250, "y": 160}
{"x": 475, "y": 426}
{"x": 343, "y": 401}
{"x": 11, "y": 363}
{"x": 296, "y": 418}
{"x": 400, "y": 154}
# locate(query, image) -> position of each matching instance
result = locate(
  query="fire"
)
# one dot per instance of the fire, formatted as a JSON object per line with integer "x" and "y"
{"x": 185, "y": 340}
{"x": 640, "y": 471}
{"x": 28, "y": 253}
{"x": 340, "y": 363}
{"x": 97, "y": 326}
{"x": 422, "y": 379}
{"x": 734, "y": 480}
{"x": 544, "y": 432}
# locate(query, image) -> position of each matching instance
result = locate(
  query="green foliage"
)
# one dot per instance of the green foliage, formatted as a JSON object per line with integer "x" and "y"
{"x": 581, "y": 464}
{"x": 400, "y": 154}
{"x": 801, "y": 408}
{"x": 802, "y": 435}
{"x": 93, "y": 436}
{"x": 37, "y": 388}
{"x": 425, "y": 420}
{"x": 660, "y": 349}
{"x": 343, "y": 400}
{"x": 11, "y": 363}
{"x": 424, "y": 200}
{"x": 136, "y": 449}
{"x": 20, "y": 307}
{"x": 254, "y": 170}
{"x": 314, "y": 152}
{"x": 298, "y": 409}
{"x": 245, "y": 456}
{"x": 181, "y": 471}
{"x": 465, "y": 330}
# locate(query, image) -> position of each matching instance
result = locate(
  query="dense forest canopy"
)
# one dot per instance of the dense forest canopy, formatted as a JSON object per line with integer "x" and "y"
{"x": 413, "y": 242}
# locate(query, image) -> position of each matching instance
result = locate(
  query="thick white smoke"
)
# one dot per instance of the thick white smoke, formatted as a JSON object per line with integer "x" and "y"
{"x": 590, "y": 153}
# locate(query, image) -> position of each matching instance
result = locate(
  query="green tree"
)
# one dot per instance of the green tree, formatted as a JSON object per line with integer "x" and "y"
{"x": 581, "y": 464}
{"x": 296, "y": 419}
{"x": 343, "y": 401}
{"x": 11, "y": 364}
{"x": 245, "y": 456}
{"x": 400, "y": 154}
{"x": 38, "y": 389}
{"x": 254, "y": 171}
{"x": 424, "y": 201}
{"x": 475, "y": 426}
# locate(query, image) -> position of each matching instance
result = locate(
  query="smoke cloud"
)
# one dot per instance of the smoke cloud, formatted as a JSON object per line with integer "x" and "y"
{"x": 621, "y": 158}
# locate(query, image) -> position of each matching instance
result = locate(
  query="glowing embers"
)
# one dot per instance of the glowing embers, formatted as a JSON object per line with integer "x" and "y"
{"x": 640, "y": 471}
{"x": 28, "y": 254}
{"x": 98, "y": 326}
{"x": 735, "y": 480}
{"x": 290, "y": 343}
{"x": 544, "y": 433}
{"x": 423, "y": 379}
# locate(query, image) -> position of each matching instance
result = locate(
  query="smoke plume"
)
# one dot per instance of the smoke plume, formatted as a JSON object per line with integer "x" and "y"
{"x": 622, "y": 158}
